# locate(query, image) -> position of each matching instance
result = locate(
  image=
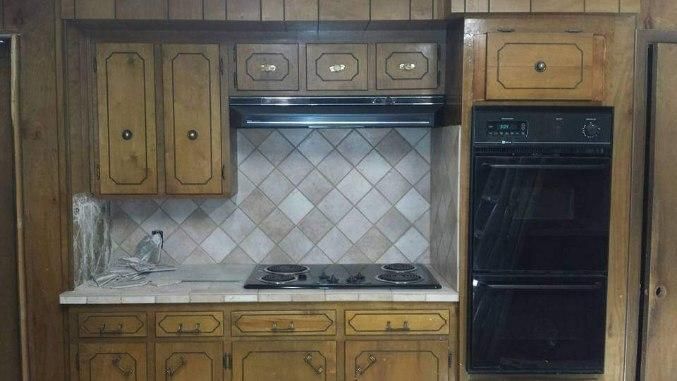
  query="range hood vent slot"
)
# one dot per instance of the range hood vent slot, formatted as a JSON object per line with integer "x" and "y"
{"x": 337, "y": 112}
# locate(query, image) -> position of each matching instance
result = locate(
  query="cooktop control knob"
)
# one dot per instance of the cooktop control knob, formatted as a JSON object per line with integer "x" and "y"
{"x": 591, "y": 130}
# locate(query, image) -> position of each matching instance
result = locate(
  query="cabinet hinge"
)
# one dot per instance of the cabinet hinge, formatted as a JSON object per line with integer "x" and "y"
{"x": 98, "y": 171}
{"x": 221, "y": 65}
{"x": 449, "y": 359}
{"x": 227, "y": 361}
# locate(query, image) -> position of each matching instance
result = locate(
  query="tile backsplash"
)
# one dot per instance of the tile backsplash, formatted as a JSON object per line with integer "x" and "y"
{"x": 304, "y": 196}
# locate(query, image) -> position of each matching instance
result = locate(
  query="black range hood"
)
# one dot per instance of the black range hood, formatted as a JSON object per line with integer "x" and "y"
{"x": 336, "y": 112}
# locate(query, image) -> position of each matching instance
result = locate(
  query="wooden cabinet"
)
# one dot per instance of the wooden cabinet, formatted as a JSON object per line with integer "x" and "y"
{"x": 267, "y": 67}
{"x": 406, "y": 66}
{"x": 192, "y": 112}
{"x": 126, "y": 113}
{"x": 390, "y": 322}
{"x": 272, "y": 323}
{"x": 177, "y": 324}
{"x": 337, "y": 67}
{"x": 397, "y": 360}
{"x": 112, "y": 362}
{"x": 542, "y": 66}
{"x": 196, "y": 145}
{"x": 189, "y": 361}
{"x": 284, "y": 361}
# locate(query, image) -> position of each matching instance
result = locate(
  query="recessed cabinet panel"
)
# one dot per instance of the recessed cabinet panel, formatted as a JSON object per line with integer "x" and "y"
{"x": 393, "y": 322}
{"x": 112, "y": 362}
{"x": 123, "y": 324}
{"x": 126, "y": 115}
{"x": 344, "y": 10}
{"x": 192, "y": 112}
{"x": 189, "y": 361}
{"x": 337, "y": 66}
{"x": 284, "y": 361}
{"x": 540, "y": 66}
{"x": 397, "y": 360}
{"x": 406, "y": 66}
{"x": 270, "y": 323}
{"x": 267, "y": 66}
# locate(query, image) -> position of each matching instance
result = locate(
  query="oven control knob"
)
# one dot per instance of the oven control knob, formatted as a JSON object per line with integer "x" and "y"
{"x": 591, "y": 130}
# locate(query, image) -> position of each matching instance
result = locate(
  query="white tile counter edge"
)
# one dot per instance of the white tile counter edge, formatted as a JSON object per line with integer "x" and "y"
{"x": 234, "y": 292}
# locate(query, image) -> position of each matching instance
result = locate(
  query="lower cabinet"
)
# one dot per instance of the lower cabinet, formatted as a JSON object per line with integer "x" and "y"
{"x": 284, "y": 361}
{"x": 397, "y": 360}
{"x": 189, "y": 361}
{"x": 112, "y": 362}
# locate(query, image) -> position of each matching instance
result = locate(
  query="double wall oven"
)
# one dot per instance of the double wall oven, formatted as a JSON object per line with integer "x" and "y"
{"x": 540, "y": 200}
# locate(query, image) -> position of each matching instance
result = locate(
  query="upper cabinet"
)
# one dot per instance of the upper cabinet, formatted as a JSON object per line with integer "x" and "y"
{"x": 191, "y": 136}
{"x": 544, "y": 66}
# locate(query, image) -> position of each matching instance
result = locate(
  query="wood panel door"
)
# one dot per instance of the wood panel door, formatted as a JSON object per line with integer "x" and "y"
{"x": 127, "y": 158}
{"x": 189, "y": 361}
{"x": 192, "y": 114}
{"x": 284, "y": 361}
{"x": 112, "y": 362}
{"x": 397, "y": 360}
{"x": 660, "y": 341}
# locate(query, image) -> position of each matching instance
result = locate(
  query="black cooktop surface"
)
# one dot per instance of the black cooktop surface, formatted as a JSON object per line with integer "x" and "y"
{"x": 394, "y": 275}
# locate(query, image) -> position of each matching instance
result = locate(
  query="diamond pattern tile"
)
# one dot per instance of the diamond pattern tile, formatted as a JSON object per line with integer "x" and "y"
{"x": 304, "y": 196}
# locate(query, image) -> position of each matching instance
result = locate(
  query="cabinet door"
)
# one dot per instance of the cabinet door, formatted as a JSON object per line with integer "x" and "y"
{"x": 406, "y": 66}
{"x": 112, "y": 362}
{"x": 397, "y": 360}
{"x": 192, "y": 111}
{"x": 284, "y": 361}
{"x": 337, "y": 66}
{"x": 189, "y": 361}
{"x": 126, "y": 115}
{"x": 267, "y": 66}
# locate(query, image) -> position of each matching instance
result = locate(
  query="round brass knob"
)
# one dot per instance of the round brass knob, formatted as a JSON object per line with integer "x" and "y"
{"x": 127, "y": 135}
{"x": 192, "y": 134}
{"x": 541, "y": 66}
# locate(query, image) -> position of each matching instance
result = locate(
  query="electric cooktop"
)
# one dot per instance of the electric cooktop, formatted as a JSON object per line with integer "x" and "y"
{"x": 394, "y": 275}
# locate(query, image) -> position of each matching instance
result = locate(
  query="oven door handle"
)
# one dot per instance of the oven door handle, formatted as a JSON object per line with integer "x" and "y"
{"x": 576, "y": 167}
{"x": 546, "y": 287}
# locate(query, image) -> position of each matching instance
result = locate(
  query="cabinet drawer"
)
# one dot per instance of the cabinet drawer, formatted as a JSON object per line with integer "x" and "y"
{"x": 265, "y": 323}
{"x": 540, "y": 66}
{"x": 397, "y": 322}
{"x": 124, "y": 324}
{"x": 267, "y": 66}
{"x": 189, "y": 324}
{"x": 337, "y": 66}
{"x": 406, "y": 66}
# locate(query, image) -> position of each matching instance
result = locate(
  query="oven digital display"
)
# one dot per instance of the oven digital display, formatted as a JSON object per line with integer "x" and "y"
{"x": 507, "y": 127}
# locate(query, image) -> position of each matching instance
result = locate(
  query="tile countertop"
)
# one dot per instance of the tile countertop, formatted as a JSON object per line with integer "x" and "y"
{"x": 234, "y": 292}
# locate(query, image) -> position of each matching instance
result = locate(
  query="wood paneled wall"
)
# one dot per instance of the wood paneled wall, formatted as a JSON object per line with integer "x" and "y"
{"x": 46, "y": 200}
{"x": 659, "y": 14}
{"x": 545, "y": 6}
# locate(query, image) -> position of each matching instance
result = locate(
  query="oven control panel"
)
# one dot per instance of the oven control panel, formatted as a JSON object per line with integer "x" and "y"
{"x": 542, "y": 125}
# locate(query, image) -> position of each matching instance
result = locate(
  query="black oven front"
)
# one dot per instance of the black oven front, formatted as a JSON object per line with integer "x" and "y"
{"x": 539, "y": 237}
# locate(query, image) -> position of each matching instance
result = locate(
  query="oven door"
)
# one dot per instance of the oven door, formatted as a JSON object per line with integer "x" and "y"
{"x": 529, "y": 326}
{"x": 538, "y": 214}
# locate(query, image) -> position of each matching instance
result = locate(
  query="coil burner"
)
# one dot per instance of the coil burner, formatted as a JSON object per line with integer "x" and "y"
{"x": 277, "y": 278}
{"x": 399, "y": 278}
{"x": 399, "y": 267}
{"x": 287, "y": 269}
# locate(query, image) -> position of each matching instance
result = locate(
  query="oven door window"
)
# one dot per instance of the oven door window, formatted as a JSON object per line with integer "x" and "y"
{"x": 526, "y": 327}
{"x": 540, "y": 214}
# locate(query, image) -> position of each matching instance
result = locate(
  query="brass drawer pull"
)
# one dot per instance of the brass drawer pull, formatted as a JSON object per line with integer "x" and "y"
{"x": 116, "y": 331}
{"x": 196, "y": 330}
{"x": 359, "y": 371}
{"x": 405, "y": 327}
{"x": 169, "y": 371}
{"x": 541, "y": 66}
{"x": 118, "y": 366}
{"x": 289, "y": 328}
{"x": 268, "y": 68}
{"x": 337, "y": 68}
{"x": 407, "y": 66}
{"x": 309, "y": 360}
{"x": 192, "y": 135}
